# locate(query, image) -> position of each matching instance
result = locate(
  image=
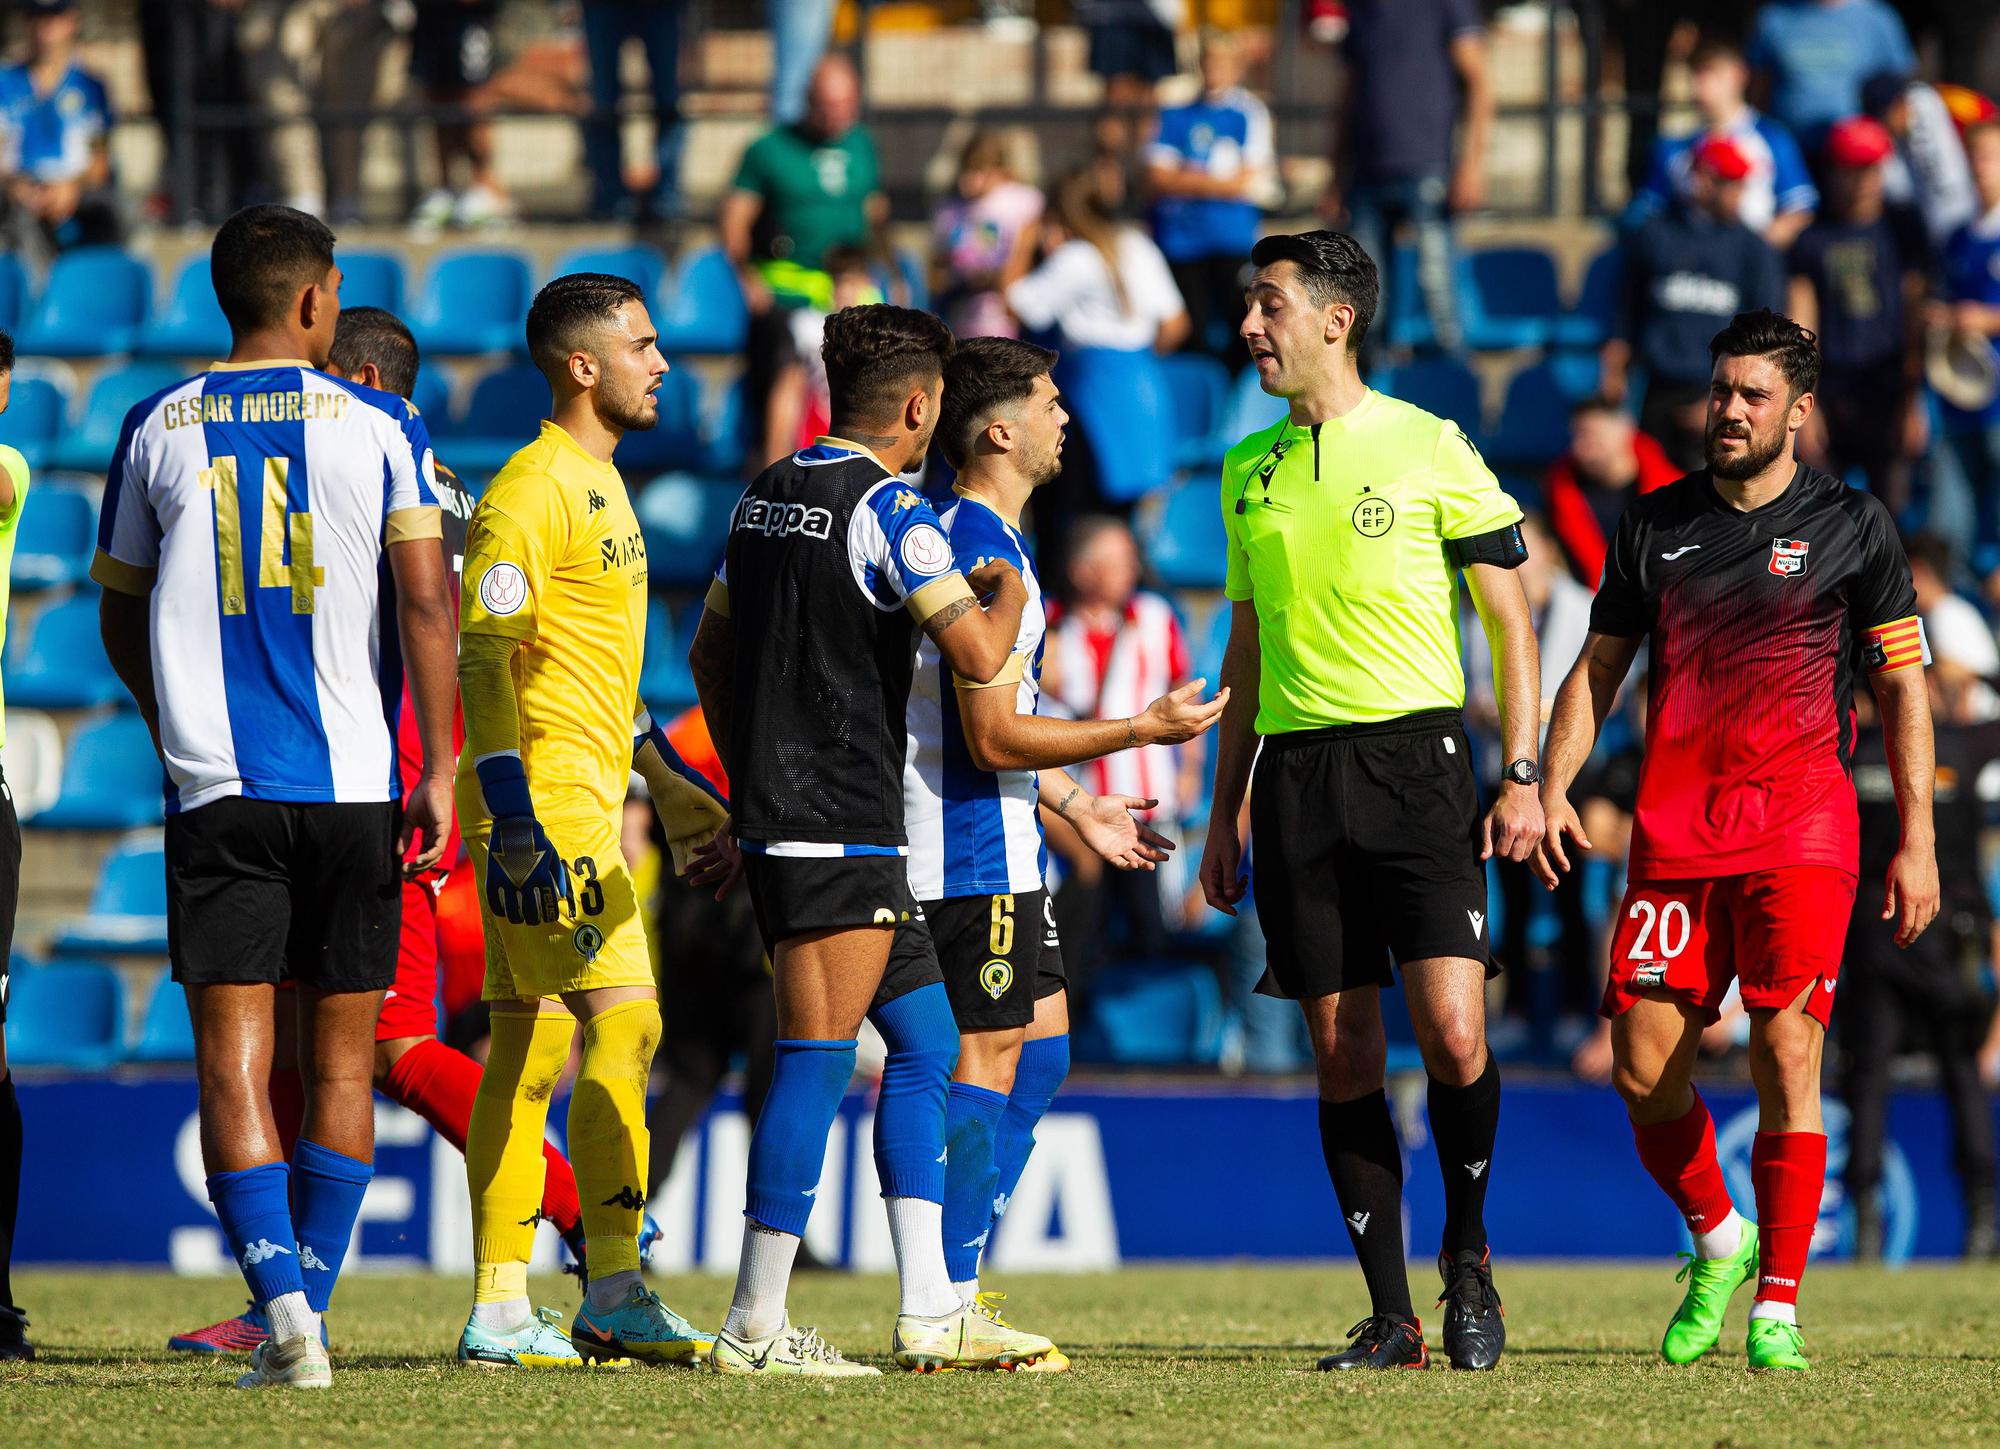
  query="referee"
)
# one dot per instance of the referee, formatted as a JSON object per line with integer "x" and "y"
{"x": 1348, "y": 524}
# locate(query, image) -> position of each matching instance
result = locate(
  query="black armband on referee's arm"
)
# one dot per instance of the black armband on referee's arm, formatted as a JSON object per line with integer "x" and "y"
{"x": 1503, "y": 547}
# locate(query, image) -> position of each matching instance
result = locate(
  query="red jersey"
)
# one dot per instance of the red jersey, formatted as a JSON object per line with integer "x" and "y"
{"x": 455, "y": 509}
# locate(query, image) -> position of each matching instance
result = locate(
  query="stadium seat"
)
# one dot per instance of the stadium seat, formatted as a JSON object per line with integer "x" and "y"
{"x": 1437, "y": 384}
{"x": 1153, "y": 1014}
{"x": 34, "y": 760}
{"x": 474, "y": 302}
{"x": 1508, "y": 298}
{"x": 686, "y": 522}
{"x": 1587, "y": 323}
{"x": 191, "y": 323}
{"x": 371, "y": 279}
{"x": 1186, "y": 544}
{"x": 165, "y": 1032}
{"x": 1534, "y": 421}
{"x": 87, "y": 447}
{"x": 1123, "y": 408}
{"x": 14, "y": 291}
{"x": 705, "y": 312}
{"x": 60, "y": 663}
{"x": 34, "y": 419}
{"x": 71, "y": 1015}
{"x": 111, "y": 780}
{"x": 1199, "y": 387}
{"x": 636, "y": 263}
{"x": 128, "y": 907}
{"x": 431, "y": 397}
{"x": 1249, "y": 410}
{"x": 55, "y": 538}
{"x": 726, "y": 446}
{"x": 675, "y": 442}
{"x": 664, "y": 682}
{"x": 96, "y": 300}
{"x": 500, "y": 418}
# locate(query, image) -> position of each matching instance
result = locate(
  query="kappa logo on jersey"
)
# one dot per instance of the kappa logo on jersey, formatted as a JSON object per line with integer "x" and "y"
{"x": 595, "y": 500}
{"x": 905, "y": 498}
{"x": 779, "y": 520}
{"x": 503, "y": 589}
{"x": 1788, "y": 556}
{"x": 1654, "y": 975}
{"x": 925, "y": 551}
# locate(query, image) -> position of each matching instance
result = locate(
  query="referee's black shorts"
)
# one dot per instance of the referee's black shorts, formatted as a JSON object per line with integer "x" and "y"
{"x": 1366, "y": 842}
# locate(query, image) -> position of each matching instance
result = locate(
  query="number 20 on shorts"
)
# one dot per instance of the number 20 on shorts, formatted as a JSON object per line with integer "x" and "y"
{"x": 1666, "y": 927}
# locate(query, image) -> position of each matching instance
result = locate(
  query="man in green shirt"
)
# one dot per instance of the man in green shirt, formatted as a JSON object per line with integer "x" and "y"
{"x": 1348, "y": 525}
{"x": 13, "y": 493}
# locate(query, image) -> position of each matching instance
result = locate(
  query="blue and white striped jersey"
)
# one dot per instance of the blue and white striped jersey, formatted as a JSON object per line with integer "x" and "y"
{"x": 973, "y": 831}
{"x": 253, "y": 503}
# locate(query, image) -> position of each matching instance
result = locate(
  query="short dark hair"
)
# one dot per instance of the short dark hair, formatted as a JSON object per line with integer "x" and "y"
{"x": 1334, "y": 268}
{"x": 872, "y": 350}
{"x": 565, "y": 311}
{"x": 985, "y": 376}
{"x": 373, "y": 334}
{"x": 1764, "y": 333}
{"x": 1596, "y": 402}
{"x": 1712, "y": 48}
{"x": 259, "y": 260}
{"x": 1933, "y": 552}
{"x": 6, "y": 351}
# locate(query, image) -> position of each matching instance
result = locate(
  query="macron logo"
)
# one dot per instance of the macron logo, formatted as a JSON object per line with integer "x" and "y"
{"x": 1475, "y": 1168}
{"x": 1359, "y": 1222}
{"x": 1478, "y": 919}
{"x": 262, "y": 1251}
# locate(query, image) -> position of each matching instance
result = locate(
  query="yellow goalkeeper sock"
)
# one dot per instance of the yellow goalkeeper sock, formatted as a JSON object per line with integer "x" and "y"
{"x": 504, "y": 1166}
{"x": 607, "y": 1131}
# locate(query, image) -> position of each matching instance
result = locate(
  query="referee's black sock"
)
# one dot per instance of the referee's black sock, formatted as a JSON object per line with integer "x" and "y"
{"x": 1464, "y": 1122}
{"x": 10, "y": 1183}
{"x": 1366, "y": 1164}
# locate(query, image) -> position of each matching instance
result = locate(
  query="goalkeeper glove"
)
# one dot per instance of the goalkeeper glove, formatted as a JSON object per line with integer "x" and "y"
{"x": 690, "y": 808}
{"x": 525, "y": 875}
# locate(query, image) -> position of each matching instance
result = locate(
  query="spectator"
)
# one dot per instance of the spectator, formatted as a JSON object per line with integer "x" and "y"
{"x": 1688, "y": 270}
{"x": 800, "y": 30}
{"x": 1207, "y": 168}
{"x": 55, "y": 161}
{"x": 1971, "y": 307}
{"x": 1858, "y": 279}
{"x": 656, "y": 24}
{"x": 1965, "y": 657}
{"x": 1929, "y": 169}
{"x": 1131, "y": 49}
{"x": 193, "y": 57}
{"x": 1102, "y": 283}
{"x": 452, "y": 62}
{"x": 801, "y": 408}
{"x": 1609, "y": 461}
{"x": 1778, "y": 194}
{"x": 988, "y": 227}
{"x": 1409, "y": 62}
{"x": 1811, "y": 56}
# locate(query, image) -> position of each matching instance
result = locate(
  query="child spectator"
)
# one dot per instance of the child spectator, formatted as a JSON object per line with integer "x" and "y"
{"x": 978, "y": 234}
{"x": 1608, "y": 463}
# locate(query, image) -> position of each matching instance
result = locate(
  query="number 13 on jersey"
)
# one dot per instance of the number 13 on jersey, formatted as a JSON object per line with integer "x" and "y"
{"x": 286, "y": 558}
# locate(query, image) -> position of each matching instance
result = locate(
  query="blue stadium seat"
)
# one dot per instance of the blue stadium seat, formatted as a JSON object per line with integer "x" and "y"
{"x": 1249, "y": 410}
{"x": 34, "y": 419}
{"x": 1534, "y": 421}
{"x": 500, "y": 418}
{"x": 66, "y": 1016}
{"x": 15, "y": 290}
{"x": 371, "y": 279}
{"x": 55, "y": 538}
{"x": 111, "y": 780}
{"x": 636, "y": 263}
{"x": 96, "y": 300}
{"x": 128, "y": 907}
{"x": 686, "y": 522}
{"x": 191, "y": 323}
{"x": 165, "y": 1033}
{"x": 676, "y": 441}
{"x": 1199, "y": 386}
{"x": 1508, "y": 298}
{"x": 87, "y": 447}
{"x": 1588, "y": 322}
{"x": 1123, "y": 407}
{"x": 664, "y": 682}
{"x": 473, "y": 302}
{"x": 705, "y": 313}
{"x": 60, "y": 664}
{"x": 1437, "y": 384}
{"x": 1153, "y": 1014}
{"x": 726, "y": 446}
{"x": 1186, "y": 543}
{"x": 431, "y": 396}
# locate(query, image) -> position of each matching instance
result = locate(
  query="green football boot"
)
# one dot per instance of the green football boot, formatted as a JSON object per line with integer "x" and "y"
{"x": 1711, "y": 1282}
{"x": 1776, "y": 1345}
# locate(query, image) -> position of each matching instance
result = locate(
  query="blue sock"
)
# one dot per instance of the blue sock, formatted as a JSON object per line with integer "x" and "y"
{"x": 256, "y": 1212}
{"x": 1044, "y": 1064}
{"x": 788, "y": 1147}
{"x": 972, "y": 1120}
{"x": 330, "y": 1188}
{"x": 922, "y": 1037}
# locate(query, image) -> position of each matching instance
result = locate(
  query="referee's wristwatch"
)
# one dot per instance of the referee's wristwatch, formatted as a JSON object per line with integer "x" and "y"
{"x": 1522, "y": 772}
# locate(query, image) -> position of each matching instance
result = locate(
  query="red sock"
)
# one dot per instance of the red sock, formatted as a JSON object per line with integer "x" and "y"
{"x": 288, "y": 1107}
{"x": 438, "y": 1084}
{"x": 1681, "y": 1157}
{"x": 1789, "y": 1171}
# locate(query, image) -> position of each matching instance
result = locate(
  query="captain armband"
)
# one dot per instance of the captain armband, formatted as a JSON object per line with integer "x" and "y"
{"x": 1501, "y": 547}
{"x": 1898, "y": 645}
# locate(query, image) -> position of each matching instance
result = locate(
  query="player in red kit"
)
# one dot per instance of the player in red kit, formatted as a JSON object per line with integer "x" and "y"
{"x": 1763, "y": 588}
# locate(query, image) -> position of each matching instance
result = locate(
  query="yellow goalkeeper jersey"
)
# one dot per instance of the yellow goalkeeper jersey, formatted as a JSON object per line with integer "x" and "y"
{"x": 554, "y": 558}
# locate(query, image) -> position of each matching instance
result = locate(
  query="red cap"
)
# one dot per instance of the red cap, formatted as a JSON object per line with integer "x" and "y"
{"x": 1858, "y": 141}
{"x": 1721, "y": 158}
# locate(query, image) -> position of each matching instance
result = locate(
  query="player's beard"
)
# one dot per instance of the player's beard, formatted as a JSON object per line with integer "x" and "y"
{"x": 1759, "y": 451}
{"x": 1047, "y": 467}
{"x": 637, "y": 413}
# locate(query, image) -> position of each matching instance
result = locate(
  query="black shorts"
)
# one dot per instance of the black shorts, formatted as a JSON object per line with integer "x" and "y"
{"x": 1367, "y": 852}
{"x": 10, "y": 884}
{"x": 453, "y": 46}
{"x": 999, "y": 954}
{"x": 269, "y": 891}
{"x": 798, "y": 895}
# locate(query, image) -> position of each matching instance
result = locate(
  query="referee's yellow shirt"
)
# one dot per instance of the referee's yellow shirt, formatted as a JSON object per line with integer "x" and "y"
{"x": 1337, "y": 533}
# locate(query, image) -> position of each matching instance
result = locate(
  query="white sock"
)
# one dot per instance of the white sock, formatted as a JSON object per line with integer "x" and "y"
{"x": 506, "y": 1316}
{"x": 1769, "y": 1308}
{"x": 292, "y": 1317}
{"x": 916, "y": 1229}
{"x": 967, "y": 1291}
{"x": 1722, "y": 1240}
{"x": 608, "y": 1292}
{"x": 763, "y": 1275}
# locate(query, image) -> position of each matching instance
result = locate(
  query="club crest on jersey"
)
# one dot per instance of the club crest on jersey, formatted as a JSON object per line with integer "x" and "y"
{"x": 995, "y": 977}
{"x": 588, "y": 941}
{"x": 1653, "y": 975}
{"x": 1788, "y": 556}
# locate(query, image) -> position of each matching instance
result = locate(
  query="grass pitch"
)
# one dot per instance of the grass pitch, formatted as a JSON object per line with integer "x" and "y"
{"x": 1164, "y": 1357}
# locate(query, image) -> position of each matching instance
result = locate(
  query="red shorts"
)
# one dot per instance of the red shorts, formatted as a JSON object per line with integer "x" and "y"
{"x": 411, "y": 1007}
{"x": 1775, "y": 931}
